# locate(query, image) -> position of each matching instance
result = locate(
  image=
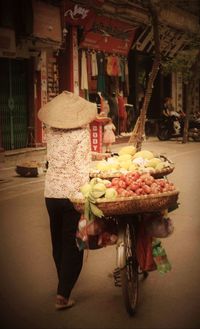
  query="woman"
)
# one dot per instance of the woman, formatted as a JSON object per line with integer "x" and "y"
{"x": 68, "y": 154}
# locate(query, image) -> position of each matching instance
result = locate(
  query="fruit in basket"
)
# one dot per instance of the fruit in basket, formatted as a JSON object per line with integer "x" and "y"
{"x": 145, "y": 154}
{"x": 143, "y": 161}
{"x": 127, "y": 150}
{"x": 95, "y": 180}
{"x": 133, "y": 167}
{"x": 125, "y": 164}
{"x": 140, "y": 184}
{"x": 153, "y": 162}
{"x": 99, "y": 187}
{"x": 130, "y": 184}
{"x": 85, "y": 189}
{"x": 160, "y": 166}
{"x": 124, "y": 157}
{"x": 111, "y": 193}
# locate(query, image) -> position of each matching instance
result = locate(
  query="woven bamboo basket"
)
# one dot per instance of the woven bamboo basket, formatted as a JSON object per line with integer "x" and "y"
{"x": 156, "y": 174}
{"x": 132, "y": 205}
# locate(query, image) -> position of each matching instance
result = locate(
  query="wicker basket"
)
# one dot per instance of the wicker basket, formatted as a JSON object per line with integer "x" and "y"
{"x": 132, "y": 205}
{"x": 26, "y": 171}
{"x": 155, "y": 174}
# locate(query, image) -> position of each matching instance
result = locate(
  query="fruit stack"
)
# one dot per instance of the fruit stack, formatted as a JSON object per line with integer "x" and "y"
{"x": 128, "y": 160}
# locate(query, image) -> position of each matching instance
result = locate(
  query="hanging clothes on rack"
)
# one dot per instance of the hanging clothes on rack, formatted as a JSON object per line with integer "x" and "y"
{"x": 109, "y": 65}
{"x": 121, "y": 74}
{"x": 101, "y": 86}
{"x": 84, "y": 74}
{"x": 92, "y": 81}
{"x": 94, "y": 64}
{"x": 126, "y": 79}
{"x": 115, "y": 66}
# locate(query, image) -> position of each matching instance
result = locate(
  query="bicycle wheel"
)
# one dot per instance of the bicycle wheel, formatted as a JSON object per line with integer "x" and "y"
{"x": 128, "y": 265}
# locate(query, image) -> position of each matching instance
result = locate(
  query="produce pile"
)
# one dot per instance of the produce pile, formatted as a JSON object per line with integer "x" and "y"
{"x": 130, "y": 193}
{"x": 127, "y": 185}
{"x": 128, "y": 160}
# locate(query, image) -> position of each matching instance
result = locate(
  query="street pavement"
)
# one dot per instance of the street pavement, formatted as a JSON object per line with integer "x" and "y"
{"x": 28, "y": 277}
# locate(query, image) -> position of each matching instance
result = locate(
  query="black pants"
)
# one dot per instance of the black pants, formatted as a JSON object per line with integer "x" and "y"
{"x": 67, "y": 257}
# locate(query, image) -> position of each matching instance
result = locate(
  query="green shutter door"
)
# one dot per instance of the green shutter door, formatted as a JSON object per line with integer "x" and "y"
{"x": 13, "y": 103}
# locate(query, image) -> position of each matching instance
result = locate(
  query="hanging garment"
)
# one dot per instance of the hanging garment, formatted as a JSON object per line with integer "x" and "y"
{"x": 101, "y": 85}
{"x": 115, "y": 66}
{"x": 92, "y": 81}
{"x": 127, "y": 77}
{"x": 121, "y": 106}
{"x": 84, "y": 75}
{"x": 119, "y": 67}
{"x": 109, "y": 65}
{"x": 122, "y": 69}
{"x": 94, "y": 64}
{"x": 112, "y": 84}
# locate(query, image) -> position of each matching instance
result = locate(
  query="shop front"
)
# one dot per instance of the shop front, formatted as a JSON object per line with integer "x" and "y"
{"x": 98, "y": 49}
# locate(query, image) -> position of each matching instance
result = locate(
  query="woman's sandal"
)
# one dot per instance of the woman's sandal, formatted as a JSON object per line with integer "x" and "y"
{"x": 63, "y": 303}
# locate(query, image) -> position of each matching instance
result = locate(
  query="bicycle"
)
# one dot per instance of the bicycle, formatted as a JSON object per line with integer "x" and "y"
{"x": 126, "y": 274}
{"x": 127, "y": 220}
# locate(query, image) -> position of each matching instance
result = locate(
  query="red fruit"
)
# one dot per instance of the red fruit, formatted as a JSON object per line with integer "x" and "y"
{"x": 124, "y": 193}
{"x": 135, "y": 175}
{"x": 139, "y": 191}
{"x": 120, "y": 190}
{"x": 128, "y": 180}
{"x": 109, "y": 184}
{"x": 147, "y": 189}
{"x": 115, "y": 181}
{"x": 122, "y": 184}
{"x": 134, "y": 186}
{"x": 130, "y": 193}
{"x": 123, "y": 177}
{"x": 161, "y": 182}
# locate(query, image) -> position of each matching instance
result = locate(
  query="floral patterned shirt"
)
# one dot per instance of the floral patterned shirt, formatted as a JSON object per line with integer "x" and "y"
{"x": 69, "y": 158}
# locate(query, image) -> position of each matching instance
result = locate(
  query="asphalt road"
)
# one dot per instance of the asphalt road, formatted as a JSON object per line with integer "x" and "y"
{"x": 28, "y": 277}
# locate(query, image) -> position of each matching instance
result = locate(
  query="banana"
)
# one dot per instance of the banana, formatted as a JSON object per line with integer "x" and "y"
{"x": 96, "y": 211}
{"x": 92, "y": 217}
{"x": 87, "y": 209}
{"x": 91, "y": 198}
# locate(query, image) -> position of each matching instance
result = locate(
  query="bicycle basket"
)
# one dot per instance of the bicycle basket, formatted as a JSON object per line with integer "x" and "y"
{"x": 132, "y": 205}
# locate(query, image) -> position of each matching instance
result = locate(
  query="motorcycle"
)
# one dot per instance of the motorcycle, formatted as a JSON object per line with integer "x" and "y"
{"x": 172, "y": 127}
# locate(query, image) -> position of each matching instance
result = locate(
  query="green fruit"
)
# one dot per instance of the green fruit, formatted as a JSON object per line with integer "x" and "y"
{"x": 99, "y": 187}
{"x": 153, "y": 162}
{"x": 145, "y": 154}
{"x": 111, "y": 193}
{"x": 124, "y": 157}
{"x": 85, "y": 189}
{"x": 127, "y": 150}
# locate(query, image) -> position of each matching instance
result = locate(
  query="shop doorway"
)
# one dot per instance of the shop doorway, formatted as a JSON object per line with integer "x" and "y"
{"x": 13, "y": 103}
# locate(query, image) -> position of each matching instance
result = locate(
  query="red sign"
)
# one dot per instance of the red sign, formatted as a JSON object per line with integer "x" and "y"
{"x": 109, "y": 35}
{"x": 96, "y": 136}
{"x": 107, "y": 44}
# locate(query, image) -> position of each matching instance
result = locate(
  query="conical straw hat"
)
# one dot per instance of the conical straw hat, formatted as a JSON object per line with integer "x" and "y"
{"x": 67, "y": 111}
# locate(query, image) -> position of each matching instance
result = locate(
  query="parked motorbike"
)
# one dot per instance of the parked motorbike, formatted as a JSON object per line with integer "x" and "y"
{"x": 172, "y": 127}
